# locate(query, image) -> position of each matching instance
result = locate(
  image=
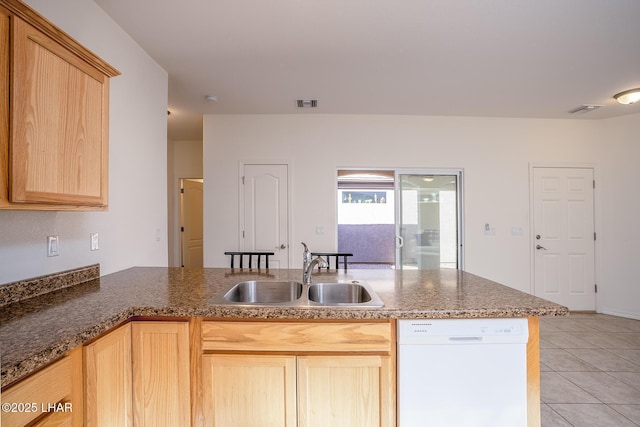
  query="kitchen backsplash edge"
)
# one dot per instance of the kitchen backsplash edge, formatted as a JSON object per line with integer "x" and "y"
{"x": 29, "y": 288}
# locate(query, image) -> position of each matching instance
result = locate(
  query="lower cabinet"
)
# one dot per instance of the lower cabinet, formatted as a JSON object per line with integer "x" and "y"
{"x": 218, "y": 373}
{"x": 246, "y": 390}
{"x": 49, "y": 397}
{"x": 108, "y": 386}
{"x": 161, "y": 375}
{"x": 345, "y": 378}
{"x": 138, "y": 375}
{"x": 345, "y": 391}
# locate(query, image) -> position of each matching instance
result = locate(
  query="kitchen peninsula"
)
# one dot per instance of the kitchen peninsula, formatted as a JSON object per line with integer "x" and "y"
{"x": 37, "y": 331}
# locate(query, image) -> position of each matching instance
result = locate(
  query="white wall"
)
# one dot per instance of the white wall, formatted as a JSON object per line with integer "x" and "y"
{"x": 185, "y": 161}
{"x": 618, "y": 197}
{"x": 137, "y": 165}
{"x": 495, "y": 154}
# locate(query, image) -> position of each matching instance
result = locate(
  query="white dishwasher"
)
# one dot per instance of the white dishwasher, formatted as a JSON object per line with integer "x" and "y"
{"x": 462, "y": 372}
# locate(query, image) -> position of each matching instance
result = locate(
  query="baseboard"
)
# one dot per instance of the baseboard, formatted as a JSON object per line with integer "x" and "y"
{"x": 629, "y": 315}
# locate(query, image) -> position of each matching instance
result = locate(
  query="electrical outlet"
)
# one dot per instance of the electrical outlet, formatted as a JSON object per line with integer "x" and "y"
{"x": 52, "y": 246}
{"x": 95, "y": 241}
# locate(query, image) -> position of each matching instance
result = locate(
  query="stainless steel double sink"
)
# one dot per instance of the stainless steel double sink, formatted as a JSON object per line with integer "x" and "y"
{"x": 296, "y": 294}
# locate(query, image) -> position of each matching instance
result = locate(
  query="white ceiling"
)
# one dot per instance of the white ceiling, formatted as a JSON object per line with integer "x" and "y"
{"x": 495, "y": 58}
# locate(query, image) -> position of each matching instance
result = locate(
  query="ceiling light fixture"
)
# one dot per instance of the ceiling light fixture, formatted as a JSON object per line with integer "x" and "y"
{"x": 630, "y": 96}
{"x": 211, "y": 98}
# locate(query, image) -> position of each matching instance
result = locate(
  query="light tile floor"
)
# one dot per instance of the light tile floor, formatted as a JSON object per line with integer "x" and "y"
{"x": 590, "y": 371}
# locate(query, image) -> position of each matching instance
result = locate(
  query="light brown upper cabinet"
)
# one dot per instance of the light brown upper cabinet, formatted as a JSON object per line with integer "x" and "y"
{"x": 54, "y": 145}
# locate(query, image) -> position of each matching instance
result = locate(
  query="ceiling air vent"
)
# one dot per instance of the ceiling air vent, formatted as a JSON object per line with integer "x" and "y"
{"x": 585, "y": 108}
{"x": 307, "y": 103}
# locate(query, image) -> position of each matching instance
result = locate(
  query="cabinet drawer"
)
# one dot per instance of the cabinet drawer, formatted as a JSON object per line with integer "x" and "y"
{"x": 376, "y": 337}
{"x": 48, "y": 386}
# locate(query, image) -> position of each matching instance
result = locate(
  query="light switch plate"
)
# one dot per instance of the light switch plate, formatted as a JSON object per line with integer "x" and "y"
{"x": 95, "y": 241}
{"x": 52, "y": 246}
{"x": 516, "y": 231}
{"x": 489, "y": 230}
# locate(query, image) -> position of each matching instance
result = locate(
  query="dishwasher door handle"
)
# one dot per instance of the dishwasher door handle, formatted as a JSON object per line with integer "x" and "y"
{"x": 465, "y": 339}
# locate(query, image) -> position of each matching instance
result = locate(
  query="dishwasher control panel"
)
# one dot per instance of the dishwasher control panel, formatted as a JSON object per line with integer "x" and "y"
{"x": 461, "y": 331}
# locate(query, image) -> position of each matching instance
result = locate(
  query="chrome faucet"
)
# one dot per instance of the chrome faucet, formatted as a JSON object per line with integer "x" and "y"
{"x": 308, "y": 264}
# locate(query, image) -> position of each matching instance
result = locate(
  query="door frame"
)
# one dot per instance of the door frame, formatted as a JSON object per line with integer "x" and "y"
{"x": 596, "y": 222}
{"x": 181, "y": 216}
{"x": 241, "y": 217}
{"x": 459, "y": 172}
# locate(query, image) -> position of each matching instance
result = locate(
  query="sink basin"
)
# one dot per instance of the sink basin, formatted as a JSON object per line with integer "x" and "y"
{"x": 352, "y": 294}
{"x": 264, "y": 292}
{"x": 340, "y": 294}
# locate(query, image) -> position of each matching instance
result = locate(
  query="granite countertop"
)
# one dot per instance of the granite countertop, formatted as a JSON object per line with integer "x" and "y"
{"x": 36, "y": 331}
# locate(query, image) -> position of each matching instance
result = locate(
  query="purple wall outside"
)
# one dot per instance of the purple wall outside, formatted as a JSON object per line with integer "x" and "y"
{"x": 369, "y": 243}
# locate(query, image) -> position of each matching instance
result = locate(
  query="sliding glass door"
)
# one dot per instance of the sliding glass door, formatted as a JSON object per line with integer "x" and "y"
{"x": 405, "y": 219}
{"x": 428, "y": 219}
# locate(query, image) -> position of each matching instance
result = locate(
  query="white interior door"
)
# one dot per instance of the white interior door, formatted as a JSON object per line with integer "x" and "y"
{"x": 265, "y": 214}
{"x": 191, "y": 222}
{"x": 563, "y": 229}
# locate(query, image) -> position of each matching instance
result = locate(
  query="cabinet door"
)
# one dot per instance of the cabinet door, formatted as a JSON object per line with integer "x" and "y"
{"x": 161, "y": 374}
{"x": 248, "y": 390}
{"x": 52, "y": 387}
{"x": 354, "y": 391}
{"x": 108, "y": 379}
{"x": 55, "y": 419}
{"x": 59, "y": 108}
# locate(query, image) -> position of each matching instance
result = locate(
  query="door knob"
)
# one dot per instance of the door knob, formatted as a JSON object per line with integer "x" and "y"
{"x": 282, "y": 246}
{"x": 540, "y": 247}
